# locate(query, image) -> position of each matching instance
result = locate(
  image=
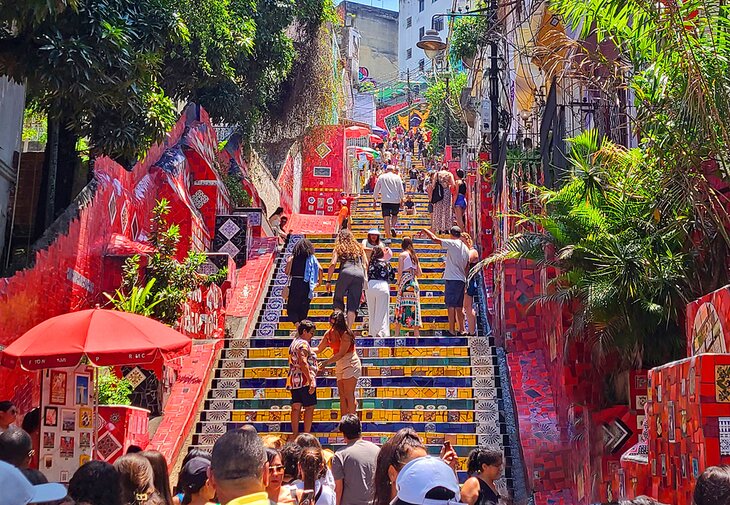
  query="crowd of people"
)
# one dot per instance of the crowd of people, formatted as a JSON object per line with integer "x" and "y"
{"x": 246, "y": 468}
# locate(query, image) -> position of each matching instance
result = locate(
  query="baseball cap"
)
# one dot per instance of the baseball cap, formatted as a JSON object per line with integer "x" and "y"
{"x": 343, "y": 201}
{"x": 17, "y": 490}
{"x": 455, "y": 231}
{"x": 194, "y": 474}
{"x": 426, "y": 481}
{"x": 374, "y": 231}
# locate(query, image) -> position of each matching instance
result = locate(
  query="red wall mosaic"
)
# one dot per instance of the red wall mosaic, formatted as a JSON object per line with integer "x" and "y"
{"x": 708, "y": 324}
{"x": 324, "y": 174}
{"x": 118, "y": 427}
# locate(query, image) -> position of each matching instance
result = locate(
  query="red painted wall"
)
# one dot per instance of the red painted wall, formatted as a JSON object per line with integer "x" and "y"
{"x": 324, "y": 174}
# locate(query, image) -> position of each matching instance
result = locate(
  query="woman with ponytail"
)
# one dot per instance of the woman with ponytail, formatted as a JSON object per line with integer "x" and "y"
{"x": 194, "y": 483}
{"x": 408, "y": 300}
{"x": 311, "y": 466}
{"x": 138, "y": 481}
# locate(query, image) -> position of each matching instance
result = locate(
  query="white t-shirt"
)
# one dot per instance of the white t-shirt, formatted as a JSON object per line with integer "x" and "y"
{"x": 457, "y": 259}
{"x": 390, "y": 187}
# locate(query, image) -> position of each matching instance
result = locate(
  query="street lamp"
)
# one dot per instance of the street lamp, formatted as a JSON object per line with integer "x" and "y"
{"x": 431, "y": 44}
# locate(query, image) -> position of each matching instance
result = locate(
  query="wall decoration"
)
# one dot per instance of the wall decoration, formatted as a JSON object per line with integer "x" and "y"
{"x": 58, "y": 387}
{"x": 82, "y": 389}
{"x": 85, "y": 418}
{"x": 67, "y": 447}
{"x": 84, "y": 439}
{"x": 48, "y": 462}
{"x": 49, "y": 440}
{"x": 83, "y": 459}
{"x": 50, "y": 416}
{"x": 68, "y": 420}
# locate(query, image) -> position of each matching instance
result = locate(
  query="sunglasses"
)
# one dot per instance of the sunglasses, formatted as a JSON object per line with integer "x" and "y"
{"x": 276, "y": 469}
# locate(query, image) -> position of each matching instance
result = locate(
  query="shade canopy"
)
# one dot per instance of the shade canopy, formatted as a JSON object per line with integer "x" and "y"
{"x": 105, "y": 337}
{"x": 352, "y": 132}
{"x": 375, "y": 139}
{"x": 379, "y": 131}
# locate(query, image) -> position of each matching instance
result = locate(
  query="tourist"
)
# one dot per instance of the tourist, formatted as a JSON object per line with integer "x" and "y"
{"x": 378, "y": 294}
{"x": 347, "y": 363}
{"x": 275, "y": 219}
{"x": 426, "y": 480}
{"x": 485, "y": 467}
{"x": 196, "y": 487}
{"x": 134, "y": 449}
{"x": 442, "y": 184}
{"x": 472, "y": 286}
{"x": 410, "y": 206}
{"x": 343, "y": 215}
{"x": 713, "y": 486}
{"x": 95, "y": 483}
{"x": 351, "y": 280}
{"x": 373, "y": 240}
{"x": 408, "y": 296}
{"x": 16, "y": 447}
{"x": 8, "y": 414}
{"x": 32, "y": 426}
{"x": 421, "y": 181}
{"x": 354, "y": 465}
{"x": 460, "y": 203}
{"x": 290, "y": 459}
{"x": 306, "y": 440}
{"x": 238, "y": 469}
{"x": 304, "y": 273}
{"x": 161, "y": 473}
{"x": 137, "y": 480}
{"x": 278, "y": 493}
{"x": 413, "y": 178}
{"x": 273, "y": 442}
{"x": 311, "y": 466}
{"x": 457, "y": 262}
{"x": 17, "y": 490}
{"x": 301, "y": 380}
{"x": 401, "y": 448}
{"x": 390, "y": 188}
{"x": 194, "y": 452}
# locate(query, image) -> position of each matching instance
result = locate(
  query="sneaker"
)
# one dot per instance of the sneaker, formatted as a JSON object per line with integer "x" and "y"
{"x": 392, "y": 232}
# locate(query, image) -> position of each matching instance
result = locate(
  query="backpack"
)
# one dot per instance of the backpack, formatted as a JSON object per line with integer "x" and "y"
{"x": 438, "y": 192}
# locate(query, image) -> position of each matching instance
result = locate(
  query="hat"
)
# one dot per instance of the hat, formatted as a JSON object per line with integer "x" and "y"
{"x": 17, "y": 490}
{"x": 343, "y": 201}
{"x": 421, "y": 476}
{"x": 194, "y": 474}
{"x": 390, "y": 167}
{"x": 374, "y": 231}
{"x": 455, "y": 231}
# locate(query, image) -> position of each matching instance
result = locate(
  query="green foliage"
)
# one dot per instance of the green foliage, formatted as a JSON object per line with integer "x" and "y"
{"x": 436, "y": 96}
{"x": 113, "y": 390}
{"x": 239, "y": 196}
{"x": 468, "y": 36}
{"x": 624, "y": 253}
{"x": 138, "y": 300}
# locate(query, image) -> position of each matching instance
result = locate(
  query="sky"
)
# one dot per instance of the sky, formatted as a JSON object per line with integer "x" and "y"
{"x": 385, "y": 4}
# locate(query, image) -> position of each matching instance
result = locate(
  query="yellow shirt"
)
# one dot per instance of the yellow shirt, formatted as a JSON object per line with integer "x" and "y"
{"x": 252, "y": 499}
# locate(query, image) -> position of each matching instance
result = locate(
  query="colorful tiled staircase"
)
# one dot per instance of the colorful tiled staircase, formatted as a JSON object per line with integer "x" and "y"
{"x": 446, "y": 388}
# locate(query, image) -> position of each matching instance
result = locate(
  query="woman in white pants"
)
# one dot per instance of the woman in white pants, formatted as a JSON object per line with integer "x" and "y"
{"x": 378, "y": 294}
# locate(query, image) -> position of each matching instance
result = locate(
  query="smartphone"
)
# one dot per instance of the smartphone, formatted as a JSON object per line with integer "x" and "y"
{"x": 307, "y": 497}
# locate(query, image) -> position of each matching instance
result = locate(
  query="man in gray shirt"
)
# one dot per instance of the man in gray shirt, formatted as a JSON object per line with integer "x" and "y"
{"x": 354, "y": 466}
{"x": 456, "y": 267}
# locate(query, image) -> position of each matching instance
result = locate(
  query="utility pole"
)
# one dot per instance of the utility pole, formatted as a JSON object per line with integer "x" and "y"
{"x": 410, "y": 99}
{"x": 446, "y": 110}
{"x": 494, "y": 87}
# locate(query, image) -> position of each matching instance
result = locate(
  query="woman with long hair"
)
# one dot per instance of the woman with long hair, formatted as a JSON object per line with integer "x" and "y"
{"x": 485, "y": 467}
{"x": 472, "y": 286}
{"x": 196, "y": 488}
{"x": 137, "y": 480}
{"x": 350, "y": 282}
{"x": 374, "y": 240}
{"x": 95, "y": 483}
{"x": 311, "y": 465}
{"x": 378, "y": 294}
{"x": 460, "y": 203}
{"x": 401, "y": 448}
{"x": 348, "y": 367}
{"x": 162, "y": 476}
{"x": 440, "y": 196}
{"x": 278, "y": 493}
{"x": 408, "y": 299}
{"x": 304, "y": 272}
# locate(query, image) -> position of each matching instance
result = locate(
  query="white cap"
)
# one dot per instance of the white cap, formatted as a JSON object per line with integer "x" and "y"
{"x": 374, "y": 231}
{"x": 422, "y": 475}
{"x": 343, "y": 201}
{"x": 17, "y": 490}
{"x": 390, "y": 167}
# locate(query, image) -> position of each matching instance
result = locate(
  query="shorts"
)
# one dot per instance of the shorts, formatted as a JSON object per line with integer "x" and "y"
{"x": 473, "y": 287}
{"x": 414, "y": 182}
{"x": 454, "y": 293}
{"x": 303, "y": 396}
{"x": 460, "y": 201}
{"x": 390, "y": 209}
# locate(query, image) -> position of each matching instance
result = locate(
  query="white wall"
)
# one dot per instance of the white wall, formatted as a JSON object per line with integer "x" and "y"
{"x": 12, "y": 104}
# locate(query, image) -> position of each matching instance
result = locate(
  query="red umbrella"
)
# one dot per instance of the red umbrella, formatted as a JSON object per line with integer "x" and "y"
{"x": 375, "y": 139}
{"x": 106, "y": 337}
{"x": 353, "y": 132}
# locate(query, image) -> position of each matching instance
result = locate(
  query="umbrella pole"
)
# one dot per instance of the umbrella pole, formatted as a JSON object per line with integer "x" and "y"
{"x": 96, "y": 412}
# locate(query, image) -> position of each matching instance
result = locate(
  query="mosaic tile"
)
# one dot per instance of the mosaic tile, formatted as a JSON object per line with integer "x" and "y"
{"x": 214, "y": 428}
{"x": 217, "y": 415}
{"x": 724, "y": 428}
{"x": 722, "y": 383}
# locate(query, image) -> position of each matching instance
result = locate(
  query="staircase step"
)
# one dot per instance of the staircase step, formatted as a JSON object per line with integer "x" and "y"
{"x": 280, "y": 349}
{"x": 374, "y": 361}
{"x": 333, "y": 414}
{"x": 367, "y": 403}
{"x": 425, "y": 393}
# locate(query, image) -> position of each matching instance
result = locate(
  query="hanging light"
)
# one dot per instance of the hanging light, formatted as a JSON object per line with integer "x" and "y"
{"x": 431, "y": 43}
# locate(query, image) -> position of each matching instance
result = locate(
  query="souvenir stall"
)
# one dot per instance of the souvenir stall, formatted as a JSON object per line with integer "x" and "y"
{"x": 68, "y": 350}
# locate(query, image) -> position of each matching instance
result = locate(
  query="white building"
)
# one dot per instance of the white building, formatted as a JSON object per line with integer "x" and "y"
{"x": 414, "y": 19}
{"x": 12, "y": 104}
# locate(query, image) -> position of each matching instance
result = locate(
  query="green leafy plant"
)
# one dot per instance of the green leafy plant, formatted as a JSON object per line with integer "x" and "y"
{"x": 113, "y": 390}
{"x": 138, "y": 300}
{"x": 445, "y": 103}
{"x": 467, "y": 37}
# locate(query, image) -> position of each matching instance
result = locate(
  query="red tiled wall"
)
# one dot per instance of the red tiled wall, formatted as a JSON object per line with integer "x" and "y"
{"x": 323, "y": 147}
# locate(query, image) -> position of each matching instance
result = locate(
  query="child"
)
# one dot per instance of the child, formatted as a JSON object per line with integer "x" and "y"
{"x": 410, "y": 206}
{"x": 343, "y": 215}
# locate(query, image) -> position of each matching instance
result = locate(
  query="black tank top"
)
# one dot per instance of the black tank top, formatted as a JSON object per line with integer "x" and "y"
{"x": 486, "y": 495}
{"x": 462, "y": 188}
{"x": 298, "y": 265}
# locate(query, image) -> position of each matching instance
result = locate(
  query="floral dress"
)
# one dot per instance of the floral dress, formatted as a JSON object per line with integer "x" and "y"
{"x": 408, "y": 300}
{"x": 442, "y": 217}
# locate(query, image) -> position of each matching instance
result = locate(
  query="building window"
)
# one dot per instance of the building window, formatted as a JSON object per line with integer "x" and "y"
{"x": 421, "y": 31}
{"x": 421, "y": 64}
{"x": 409, "y": 22}
{"x": 438, "y": 24}
{"x": 421, "y": 5}
{"x": 409, "y": 53}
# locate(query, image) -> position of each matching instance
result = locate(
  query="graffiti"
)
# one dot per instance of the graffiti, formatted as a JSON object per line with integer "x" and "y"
{"x": 363, "y": 75}
{"x": 416, "y": 114}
